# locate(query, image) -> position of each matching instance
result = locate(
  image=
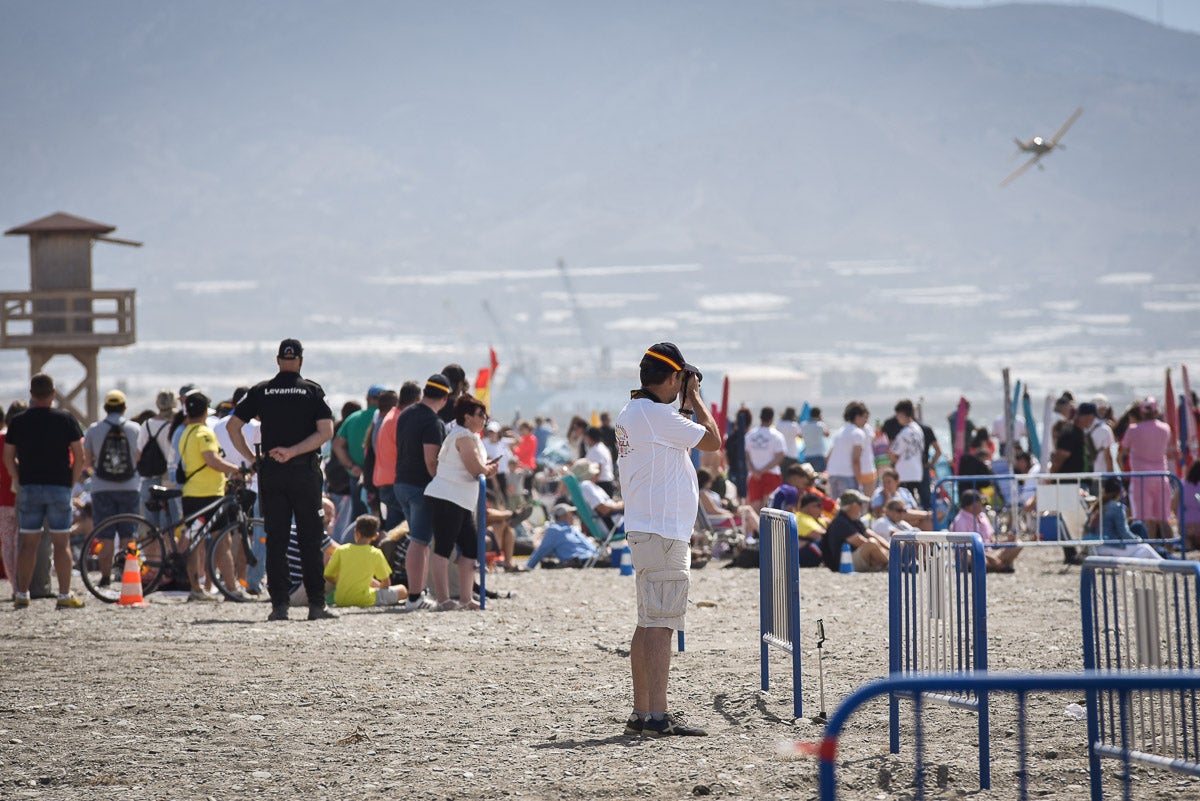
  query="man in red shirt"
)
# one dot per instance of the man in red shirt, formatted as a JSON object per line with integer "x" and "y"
{"x": 385, "y": 455}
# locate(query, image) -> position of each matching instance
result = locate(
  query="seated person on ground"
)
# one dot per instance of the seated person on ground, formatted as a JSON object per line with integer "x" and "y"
{"x": 869, "y": 551}
{"x": 360, "y": 573}
{"x": 712, "y": 505}
{"x": 889, "y": 489}
{"x": 1108, "y": 521}
{"x": 892, "y": 520}
{"x": 501, "y": 522}
{"x": 787, "y": 498}
{"x": 563, "y": 541}
{"x": 971, "y": 517}
{"x": 599, "y": 501}
{"x": 299, "y": 596}
{"x": 803, "y": 477}
{"x": 808, "y": 519}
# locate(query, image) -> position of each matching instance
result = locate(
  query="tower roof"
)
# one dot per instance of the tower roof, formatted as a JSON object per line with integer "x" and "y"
{"x": 61, "y": 222}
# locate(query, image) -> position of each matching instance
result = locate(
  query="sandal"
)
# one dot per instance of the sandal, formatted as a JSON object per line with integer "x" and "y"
{"x": 515, "y": 568}
{"x": 450, "y": 605}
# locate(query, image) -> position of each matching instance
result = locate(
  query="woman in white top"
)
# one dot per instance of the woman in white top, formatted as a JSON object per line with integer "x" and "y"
{"x": 846, "y": 453}
{"x": 451, "y": 499}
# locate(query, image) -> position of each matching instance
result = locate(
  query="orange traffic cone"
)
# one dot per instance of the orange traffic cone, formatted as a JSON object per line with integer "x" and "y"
{"x": 131, "y": 580}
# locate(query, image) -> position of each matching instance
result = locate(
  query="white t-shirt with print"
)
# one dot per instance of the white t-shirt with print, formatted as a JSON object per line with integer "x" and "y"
{"x": 908, "y": 444}
{"x": 762, "y": 445}
{"x": 658, "y": 481}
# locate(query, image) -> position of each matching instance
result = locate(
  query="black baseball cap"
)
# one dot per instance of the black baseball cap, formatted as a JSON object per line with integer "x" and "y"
{"x": 290, "y": 349}
{"x": 195, "y": 403}
{"x": 668, "y": 353}
{"x": 437, "y": 386}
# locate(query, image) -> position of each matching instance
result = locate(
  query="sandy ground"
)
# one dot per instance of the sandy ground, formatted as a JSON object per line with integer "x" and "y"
{"x": 525, "y": 700}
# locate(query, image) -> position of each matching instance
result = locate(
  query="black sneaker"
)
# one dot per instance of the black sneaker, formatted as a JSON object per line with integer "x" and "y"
{"x": 278, "y": 613}
{"x": 634, "y": 726}
{"x": 670, "y": 726}
{"x": 321, "y": 613}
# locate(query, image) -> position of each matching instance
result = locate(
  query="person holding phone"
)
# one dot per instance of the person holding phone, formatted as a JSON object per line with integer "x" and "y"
{"x": 661, "y": 498}
{"x": 451, "y": 498}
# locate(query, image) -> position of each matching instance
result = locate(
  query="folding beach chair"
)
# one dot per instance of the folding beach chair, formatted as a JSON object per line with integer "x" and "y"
{"x": 594, "y": 526}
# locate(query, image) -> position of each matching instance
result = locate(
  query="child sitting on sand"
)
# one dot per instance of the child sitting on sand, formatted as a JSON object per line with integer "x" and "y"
{"x": 1109, "y": 521}
{"x": 360, "y": 572}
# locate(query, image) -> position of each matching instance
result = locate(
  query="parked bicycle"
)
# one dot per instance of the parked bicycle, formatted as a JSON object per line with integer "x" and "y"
{"x": 224, "y": 527}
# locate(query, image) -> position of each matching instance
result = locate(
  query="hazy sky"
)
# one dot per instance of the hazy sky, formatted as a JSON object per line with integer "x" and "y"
{"x": 1181, "y": 14}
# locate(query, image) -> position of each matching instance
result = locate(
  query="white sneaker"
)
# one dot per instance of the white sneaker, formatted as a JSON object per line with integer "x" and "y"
{"x": 201, "y": 595}
{"x": 420, "y": 603}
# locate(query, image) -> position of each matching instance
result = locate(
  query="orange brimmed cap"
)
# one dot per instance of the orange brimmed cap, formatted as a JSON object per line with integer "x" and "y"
{"x": 437, "y": 386}
{"x": 668, "y": 353}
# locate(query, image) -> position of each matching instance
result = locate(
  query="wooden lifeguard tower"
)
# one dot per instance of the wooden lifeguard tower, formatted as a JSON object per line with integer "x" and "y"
{"x": 62, "y": 315}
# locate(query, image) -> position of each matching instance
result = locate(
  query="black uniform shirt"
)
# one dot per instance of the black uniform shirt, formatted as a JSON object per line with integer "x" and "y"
{"x": 289, "y": 407}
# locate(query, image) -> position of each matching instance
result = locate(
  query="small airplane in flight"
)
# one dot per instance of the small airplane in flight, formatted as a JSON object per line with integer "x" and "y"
{"x": 1039, "y": 147}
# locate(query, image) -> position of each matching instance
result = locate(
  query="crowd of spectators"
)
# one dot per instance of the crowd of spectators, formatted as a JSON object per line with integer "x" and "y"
{"x": 402, "y": 470}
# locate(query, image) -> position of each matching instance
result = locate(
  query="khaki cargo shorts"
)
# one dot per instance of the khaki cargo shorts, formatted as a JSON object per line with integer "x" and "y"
{"x": 662, "y": 570}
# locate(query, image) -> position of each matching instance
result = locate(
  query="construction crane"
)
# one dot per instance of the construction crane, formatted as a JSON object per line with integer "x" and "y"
{"x": 585, "y": 330}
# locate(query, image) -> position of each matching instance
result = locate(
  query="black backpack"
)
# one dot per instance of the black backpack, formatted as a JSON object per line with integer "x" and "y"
{"x": 115, "y": 462}
{"x": 153, "y": 462}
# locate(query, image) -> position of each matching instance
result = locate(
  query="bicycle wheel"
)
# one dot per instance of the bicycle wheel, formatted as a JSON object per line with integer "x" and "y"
{"x": 102, "y": 557}
{"x": 232, "y": 557}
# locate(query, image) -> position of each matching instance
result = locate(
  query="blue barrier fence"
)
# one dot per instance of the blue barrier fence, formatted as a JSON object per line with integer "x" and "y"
{"x": 1049, "y": 509}
{"x": 481, "y": 548}
{"x": 1141, "y": 614}
{"x": 1122, "y": 684}
{"x": 779, "y": 595}
{"x": 937, "y": 621}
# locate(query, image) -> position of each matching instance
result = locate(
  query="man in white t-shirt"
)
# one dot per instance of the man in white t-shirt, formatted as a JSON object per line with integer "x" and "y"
{"x": 661, "y": 499}
{"x": 1101, "y": 436}
{"x": 765, "y": 450}
{"x": 907, "y": 447}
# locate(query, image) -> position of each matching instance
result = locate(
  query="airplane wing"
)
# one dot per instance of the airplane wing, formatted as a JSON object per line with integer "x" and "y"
{"x": 1015, "y": 173}
{"x": 1070, "y": 121}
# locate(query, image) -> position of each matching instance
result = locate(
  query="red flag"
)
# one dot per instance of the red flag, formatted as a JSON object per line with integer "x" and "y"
{"x": 723, "y": 417}
{"x": 492, "y": 361}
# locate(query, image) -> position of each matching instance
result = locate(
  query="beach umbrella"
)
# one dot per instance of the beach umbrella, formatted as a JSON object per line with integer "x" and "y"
{"x": 1189, "y": 415}
{"x": 1171, "y": 412}
{"x": 1031, "y": 431}
{"x": 1047, "y": 431}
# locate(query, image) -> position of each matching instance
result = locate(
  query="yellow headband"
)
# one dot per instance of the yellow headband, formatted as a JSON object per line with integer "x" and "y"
{"x": 436, "y": 385}
{"x": 662, "y": 358}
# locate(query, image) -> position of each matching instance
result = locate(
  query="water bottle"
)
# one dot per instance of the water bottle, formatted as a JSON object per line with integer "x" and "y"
{"x": 847, "y": 564}
{"x": 626, "y": 562}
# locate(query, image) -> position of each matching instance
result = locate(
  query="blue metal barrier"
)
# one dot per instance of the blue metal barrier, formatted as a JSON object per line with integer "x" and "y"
{"x": 481, "y": 548}
{"x": 779, "y": 595}
{"x": 1123, "y": 684}
{"x": 937, "y": 621}
{"x": 1141, "y": 614}
{"x": 1014, "y": 491}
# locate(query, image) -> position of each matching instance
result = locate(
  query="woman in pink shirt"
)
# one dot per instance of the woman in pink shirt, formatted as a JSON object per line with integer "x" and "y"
{"x": 1149, "y": 444}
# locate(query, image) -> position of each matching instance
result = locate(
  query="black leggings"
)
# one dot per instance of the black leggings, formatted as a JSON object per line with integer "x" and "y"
{"x": 452, "y": 525}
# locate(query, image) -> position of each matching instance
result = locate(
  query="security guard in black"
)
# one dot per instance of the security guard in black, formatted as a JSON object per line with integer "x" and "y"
{"x": 295, "y": 422}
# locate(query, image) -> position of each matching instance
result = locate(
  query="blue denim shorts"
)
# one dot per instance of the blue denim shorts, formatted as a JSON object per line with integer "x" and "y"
{"x": 45, "y": 505}
{"x": 412, "y": 500}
